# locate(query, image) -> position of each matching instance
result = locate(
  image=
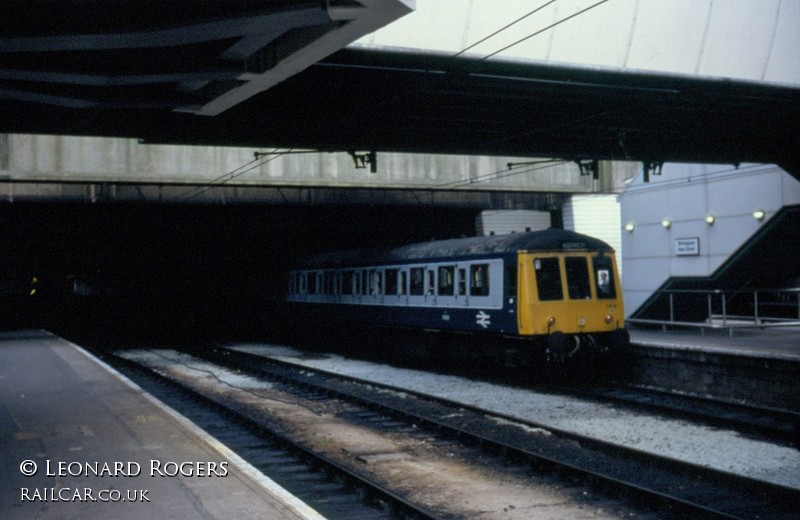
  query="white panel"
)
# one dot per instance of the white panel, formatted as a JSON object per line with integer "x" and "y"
{"x": 665, "y": 38}
{"x": 588, "y": 38}
{"x": 502, "y": 222}
{"x": 738, "y": 40}
{"x": 784, "y": 60}
{"x": 597, "y": 216}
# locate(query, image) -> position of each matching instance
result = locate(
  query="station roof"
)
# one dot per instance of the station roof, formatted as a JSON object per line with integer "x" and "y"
{"x": 241, "y": 74}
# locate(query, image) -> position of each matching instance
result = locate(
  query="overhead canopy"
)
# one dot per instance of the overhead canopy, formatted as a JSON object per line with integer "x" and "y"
{"x": 229, "y": 73}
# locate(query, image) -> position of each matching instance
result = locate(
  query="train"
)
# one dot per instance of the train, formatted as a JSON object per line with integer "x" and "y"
{"x": 557, "y": 290}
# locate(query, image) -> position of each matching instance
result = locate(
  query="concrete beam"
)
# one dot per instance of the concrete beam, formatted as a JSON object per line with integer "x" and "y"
{"x": 53, "y": 160}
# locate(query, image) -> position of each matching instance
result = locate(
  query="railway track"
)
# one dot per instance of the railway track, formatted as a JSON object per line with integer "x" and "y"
{"x": 333, "y": 490}
{"x": 682, "y": 489}
{"x": 773, "y": 424}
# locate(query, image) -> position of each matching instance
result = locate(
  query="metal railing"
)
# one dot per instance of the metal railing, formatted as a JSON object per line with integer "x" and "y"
{"x": 721, "y": 309}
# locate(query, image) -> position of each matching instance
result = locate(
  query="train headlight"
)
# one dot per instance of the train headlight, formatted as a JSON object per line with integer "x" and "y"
{"x": 609, "y": 318}
{"x": 551, "y": 321}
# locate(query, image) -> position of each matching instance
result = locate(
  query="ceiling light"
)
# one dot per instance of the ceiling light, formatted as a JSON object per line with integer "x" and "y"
{"x": 710, "y": 219}
{"x": 629, "y": 227}
{"x": 759, "y": 214}
{"x": 667, "y": 223}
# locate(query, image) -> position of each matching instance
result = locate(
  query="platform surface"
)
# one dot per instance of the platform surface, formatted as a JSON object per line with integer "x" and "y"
{"x": 783, "y": 343}
{"x": 64, "y": 414}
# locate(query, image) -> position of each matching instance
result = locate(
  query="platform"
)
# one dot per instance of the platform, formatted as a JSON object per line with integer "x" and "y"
{"x": 753, "y": 343}
{"x": 97, "y": 446}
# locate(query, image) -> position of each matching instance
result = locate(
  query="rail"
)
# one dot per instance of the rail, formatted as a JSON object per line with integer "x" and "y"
{"x": 731, "y": 310}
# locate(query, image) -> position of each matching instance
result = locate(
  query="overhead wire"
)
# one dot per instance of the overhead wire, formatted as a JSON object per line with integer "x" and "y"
{"x": 221, "y": 180}
{"x": 555, "y": 24}
{"x": 260, "y": 159}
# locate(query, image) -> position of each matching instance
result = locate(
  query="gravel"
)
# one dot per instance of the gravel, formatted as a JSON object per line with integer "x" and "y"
{"x": 717, "y": 448}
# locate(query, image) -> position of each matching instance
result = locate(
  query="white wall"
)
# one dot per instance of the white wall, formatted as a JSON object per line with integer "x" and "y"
{"x": 502, "y": 222}
{"x": 685, "y": 194}
{"x": 597, "y": 216}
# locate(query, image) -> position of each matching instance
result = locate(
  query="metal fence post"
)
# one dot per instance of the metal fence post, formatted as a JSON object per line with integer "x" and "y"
{"x": 755, "y": 307}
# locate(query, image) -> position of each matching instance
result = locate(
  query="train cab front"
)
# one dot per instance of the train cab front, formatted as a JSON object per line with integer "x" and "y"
{"x": 572, "y": 301}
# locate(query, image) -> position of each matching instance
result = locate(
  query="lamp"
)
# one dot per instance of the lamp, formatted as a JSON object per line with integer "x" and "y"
{"x": 759, "y": 214}
{"x": 629, "y": 227}
{"x": 667, "y": 223}
{"x": 710, "y": 219}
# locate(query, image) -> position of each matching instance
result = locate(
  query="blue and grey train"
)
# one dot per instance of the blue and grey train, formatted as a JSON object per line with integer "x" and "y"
{"x": 557, "y": 289}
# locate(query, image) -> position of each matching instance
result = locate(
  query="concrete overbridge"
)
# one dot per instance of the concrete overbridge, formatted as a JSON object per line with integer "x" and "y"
{"x": 84, "y": 169}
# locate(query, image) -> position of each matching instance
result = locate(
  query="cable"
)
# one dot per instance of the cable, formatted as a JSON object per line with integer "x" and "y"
{"x": 499, "y": 174}
{"x": 230, "y": 175}
{"x": 502, "y": 29}
{"x": 543, "y": 30}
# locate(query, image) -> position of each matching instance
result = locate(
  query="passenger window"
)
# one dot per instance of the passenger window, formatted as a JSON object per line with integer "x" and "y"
{"x": 462, "y": 282}
{"x": 403, "y": 282}
{"x": 347, "y": 282}
{"x": 369, "y": 282}
{"x": 312, "y": 283}
{"x": 417, "y": 281}
{"x": 548, "y": 279}
{"x": 577, "y": 278}
{"x": 603, "y": 277}
{"x": 479, "y": 280}
{"x": 431, "y": 284}
{"x": 391, "y": 281}
{"x": 375, "y": 282}
{"x": 446, "y": 280}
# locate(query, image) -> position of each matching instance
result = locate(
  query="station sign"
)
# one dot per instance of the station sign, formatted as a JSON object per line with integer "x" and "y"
{"x": 687, "y": 246}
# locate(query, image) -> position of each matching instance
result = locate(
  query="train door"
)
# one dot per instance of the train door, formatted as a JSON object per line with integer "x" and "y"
{"x": 542, "y": 305}
{"x": 581, "y": 311}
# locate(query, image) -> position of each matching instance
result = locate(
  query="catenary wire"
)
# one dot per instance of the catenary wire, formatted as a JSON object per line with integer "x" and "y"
{"x": 232, "y": 175}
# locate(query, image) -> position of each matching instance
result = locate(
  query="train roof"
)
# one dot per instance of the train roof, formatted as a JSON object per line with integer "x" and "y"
{"x": 460, "y": 249}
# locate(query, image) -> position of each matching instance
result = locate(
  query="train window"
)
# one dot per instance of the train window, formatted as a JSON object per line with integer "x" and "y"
{"x": 312, "y": 283}
{"x": 347, "y": 282}
{"x": 417, "y": 281}
{"x": 603, "y": 277}
{"x": 479, "y": 280}
{"x": 403, "y": 282}
{"x": 462, "y": 281}
{"x": 365, "y": 282}
{"x": 577, "y": 278}
{"x": 357, "y": 282}
{"x": 431, "y": 283}
{"x": 548, "y": 279}
{"x": 446, "y": 280}
{"x": 391, "y": 281}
